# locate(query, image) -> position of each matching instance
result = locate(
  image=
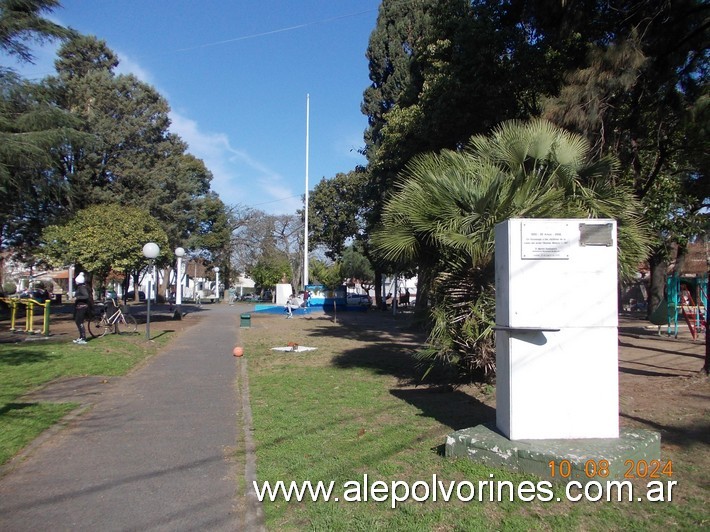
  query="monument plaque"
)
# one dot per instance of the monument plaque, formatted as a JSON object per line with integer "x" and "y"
{"x": 544, "y": 241}
{"x": 595, "y": 235}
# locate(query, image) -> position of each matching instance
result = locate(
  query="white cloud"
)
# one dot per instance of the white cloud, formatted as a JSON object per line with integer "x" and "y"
{"x": 126, "y": 65}
{"x": 238, "y": 178}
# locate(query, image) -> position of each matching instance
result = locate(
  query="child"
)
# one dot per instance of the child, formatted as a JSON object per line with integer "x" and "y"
{"x": 291, "y": 305}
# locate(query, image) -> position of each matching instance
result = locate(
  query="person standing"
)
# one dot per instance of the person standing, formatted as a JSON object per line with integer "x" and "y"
{"x": 83, "y": 306}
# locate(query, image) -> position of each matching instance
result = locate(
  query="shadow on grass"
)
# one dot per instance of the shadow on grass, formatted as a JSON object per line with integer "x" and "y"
{"x": 20, "y": 354}
{"x": 452, "y": 408}
{"x": 371, "y": 326}
{"x": 393, "y": 342}
{"x": 382, "y": 359}
{"x": 13, "y": 407}
{"x": 162, "y": 333}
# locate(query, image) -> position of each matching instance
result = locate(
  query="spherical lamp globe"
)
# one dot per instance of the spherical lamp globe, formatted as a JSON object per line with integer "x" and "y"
{"x": 151, "y": 250}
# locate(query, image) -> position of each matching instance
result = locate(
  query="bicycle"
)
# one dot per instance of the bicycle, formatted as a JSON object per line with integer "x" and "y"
{"x": 102, "y": 323}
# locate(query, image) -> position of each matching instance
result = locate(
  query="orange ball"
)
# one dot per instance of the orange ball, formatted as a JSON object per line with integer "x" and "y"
{"x": 238, "y": 351}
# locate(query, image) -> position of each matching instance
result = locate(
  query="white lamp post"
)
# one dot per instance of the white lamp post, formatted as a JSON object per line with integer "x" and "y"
{"x": 150, "y": 252}
{"x": 216, "y": 287}
{"x": 179, "y": 253}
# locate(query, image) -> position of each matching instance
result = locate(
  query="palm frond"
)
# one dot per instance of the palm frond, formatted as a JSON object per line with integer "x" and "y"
{"x": 447, "y": 205}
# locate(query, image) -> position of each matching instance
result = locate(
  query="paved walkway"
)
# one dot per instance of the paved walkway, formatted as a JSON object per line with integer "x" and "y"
{"x": 154, "y": 453}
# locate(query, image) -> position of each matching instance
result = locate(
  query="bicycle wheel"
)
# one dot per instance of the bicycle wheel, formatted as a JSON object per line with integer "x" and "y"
{"x": 128, "y": 323}
{"x": 98, "y": 326}
{"x": 92, "y": 325}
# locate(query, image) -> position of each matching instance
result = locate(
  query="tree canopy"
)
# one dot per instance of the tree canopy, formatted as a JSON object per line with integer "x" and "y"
{"x": 104, "y": 238}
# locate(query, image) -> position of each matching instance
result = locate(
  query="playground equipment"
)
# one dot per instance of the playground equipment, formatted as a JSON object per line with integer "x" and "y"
{"x": 687, "y": 297}
{"x": 29, "y": 304}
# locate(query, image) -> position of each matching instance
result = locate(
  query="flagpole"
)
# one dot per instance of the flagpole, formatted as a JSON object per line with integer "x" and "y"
{"x": 305, "y": 229}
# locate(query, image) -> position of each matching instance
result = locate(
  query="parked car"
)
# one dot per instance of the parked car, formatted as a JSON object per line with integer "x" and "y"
{"x": 131, "y": 296}
{"x": 358, "y": 300}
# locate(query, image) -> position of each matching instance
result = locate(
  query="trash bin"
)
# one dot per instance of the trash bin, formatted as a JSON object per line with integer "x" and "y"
{"x": 245, "y": 321}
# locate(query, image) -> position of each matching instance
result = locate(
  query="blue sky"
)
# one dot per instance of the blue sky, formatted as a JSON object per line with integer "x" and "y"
{"x": 236, "y": 75}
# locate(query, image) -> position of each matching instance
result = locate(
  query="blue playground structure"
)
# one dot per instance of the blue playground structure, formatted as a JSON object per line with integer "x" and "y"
{"x": 321, "y": 300}
{"x": 687, "y": 297}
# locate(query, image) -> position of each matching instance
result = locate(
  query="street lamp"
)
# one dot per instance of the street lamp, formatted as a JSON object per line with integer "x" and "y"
{"x": 150, "y": 252}
{"x": 179, "y": 253}
{"x": 216, "y": 274}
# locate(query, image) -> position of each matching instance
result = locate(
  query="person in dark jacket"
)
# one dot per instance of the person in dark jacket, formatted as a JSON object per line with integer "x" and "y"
{"x": 83, "y": 307}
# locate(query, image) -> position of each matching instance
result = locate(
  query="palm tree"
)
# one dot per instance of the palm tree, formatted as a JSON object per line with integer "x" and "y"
{"x": 443, "y": 216}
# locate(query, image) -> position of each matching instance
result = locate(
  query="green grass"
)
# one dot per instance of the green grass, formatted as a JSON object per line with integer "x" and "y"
{"x": 346, "y": 410}
{"x": 29, "y": 365}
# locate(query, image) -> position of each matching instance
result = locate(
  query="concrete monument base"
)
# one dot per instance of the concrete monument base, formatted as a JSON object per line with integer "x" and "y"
{"x": 560, "y": 460}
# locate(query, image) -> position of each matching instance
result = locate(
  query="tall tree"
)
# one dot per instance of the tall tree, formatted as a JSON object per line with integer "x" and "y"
{"x": 128, "y": 118}
{"x": 636, "y": 87}
{"x": 126, "y": 154}
{"x": 31, "y": 129}
{"x": 288, "y": 237}
{"x": 641, "y": 94}
{"x": 83, "y": 55}
{"x": 134, "y": 159}
{"x": 443, "y": 70}
{"x": 246, "y": 236}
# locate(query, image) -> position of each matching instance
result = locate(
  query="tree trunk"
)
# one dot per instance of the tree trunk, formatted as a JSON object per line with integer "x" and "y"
{"x": 421, "y": 304}
{"x": 681, "y": 255}
{"x": 378, "y": 288}
{"x": 2, "y": 263}
{"x": 656, "y": 290}
{"x": 165, "y": 281}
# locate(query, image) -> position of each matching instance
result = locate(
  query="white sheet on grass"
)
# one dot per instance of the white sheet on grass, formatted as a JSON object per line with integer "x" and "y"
{"x": 299, "y": 349}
